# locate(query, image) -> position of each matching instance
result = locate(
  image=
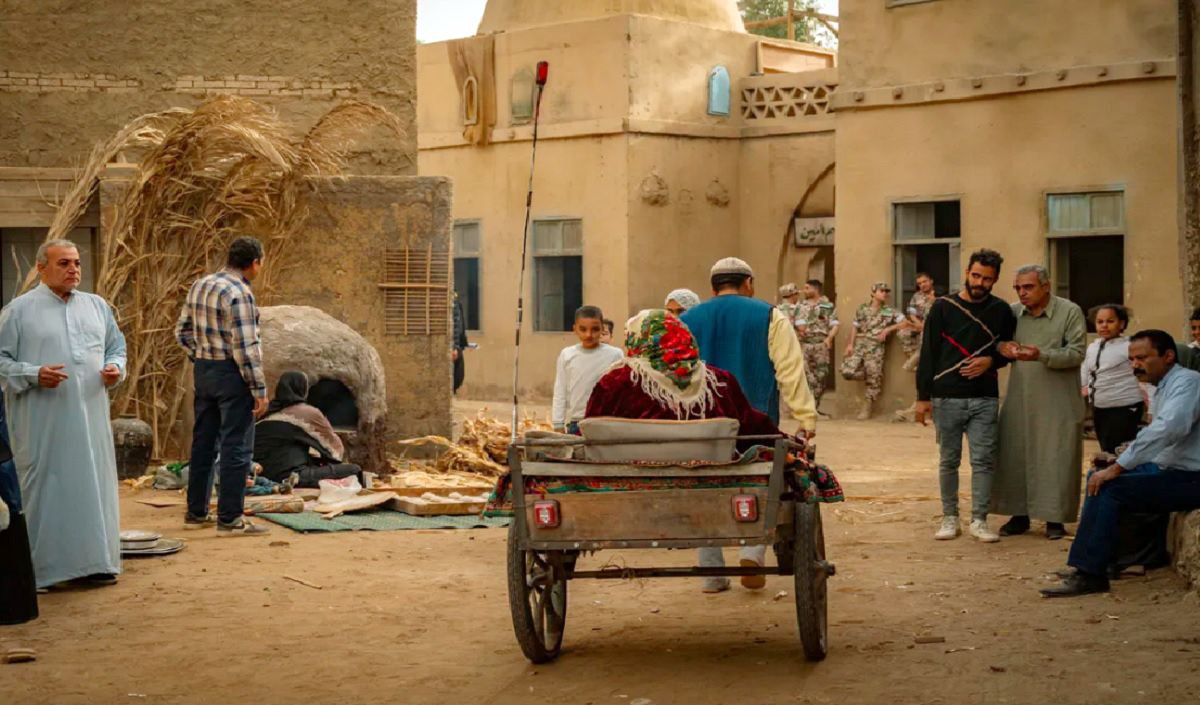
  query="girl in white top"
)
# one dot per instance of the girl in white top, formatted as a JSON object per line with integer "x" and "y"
{"x": 1107, "y": 379}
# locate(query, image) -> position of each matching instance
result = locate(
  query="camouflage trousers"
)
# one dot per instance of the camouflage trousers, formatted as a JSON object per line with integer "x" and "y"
{"x": 817, "y": 362}
{"x": 910, "y": 341}
{"x": 865, "y": 363}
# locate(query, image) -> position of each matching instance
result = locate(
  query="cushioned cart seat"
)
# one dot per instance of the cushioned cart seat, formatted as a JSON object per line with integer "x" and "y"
{"x": 710, "y": 440}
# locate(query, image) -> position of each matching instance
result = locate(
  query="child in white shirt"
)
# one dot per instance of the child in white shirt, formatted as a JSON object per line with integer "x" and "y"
{"x": 1107, "y": 379}
{"x": 579, "y": 368}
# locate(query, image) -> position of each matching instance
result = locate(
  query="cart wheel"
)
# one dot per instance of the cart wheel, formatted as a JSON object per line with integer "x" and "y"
{"x": 537, "y": 596}
{"x": 811, "y": 576}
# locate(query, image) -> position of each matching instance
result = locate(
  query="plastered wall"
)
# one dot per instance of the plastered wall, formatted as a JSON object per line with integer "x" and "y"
{"x": 885, "y": 46}
{"x": 999, "y": 157}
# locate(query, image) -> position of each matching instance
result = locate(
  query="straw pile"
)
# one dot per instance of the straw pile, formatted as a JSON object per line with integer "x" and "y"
{"x": 227, "y": 168}
{"x": 481, "y": 450}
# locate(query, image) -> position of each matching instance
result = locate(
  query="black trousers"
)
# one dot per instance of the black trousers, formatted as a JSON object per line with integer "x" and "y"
{"x": 460, "y": 371}
{"x": 1141, "y": 536}
{"x": 311, "y": 475}
{"x": 225, "y": 423}
{"x": 18, "y": 589}
{"x": 1117, "y": 425}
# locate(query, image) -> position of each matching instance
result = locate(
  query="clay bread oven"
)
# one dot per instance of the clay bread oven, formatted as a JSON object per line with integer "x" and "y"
{"x": 345, "y": 374}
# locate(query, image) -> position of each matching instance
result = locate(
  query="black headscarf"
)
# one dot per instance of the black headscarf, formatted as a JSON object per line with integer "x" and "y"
{"x": 291, "y": 389}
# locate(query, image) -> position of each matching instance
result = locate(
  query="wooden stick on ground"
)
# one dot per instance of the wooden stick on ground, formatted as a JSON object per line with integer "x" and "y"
{"x": 305, "y": 583}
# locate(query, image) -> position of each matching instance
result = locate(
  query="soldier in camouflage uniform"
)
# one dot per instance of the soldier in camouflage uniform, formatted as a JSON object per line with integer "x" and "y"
{"x": 918, "y": 308}
{"x": 789, "y": 304}
{"x": 873, "y": 323}
{"x": 817, "y": 325}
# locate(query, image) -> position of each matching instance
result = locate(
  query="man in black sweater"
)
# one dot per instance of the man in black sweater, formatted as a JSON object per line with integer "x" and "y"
{"x": 957, "y": 383}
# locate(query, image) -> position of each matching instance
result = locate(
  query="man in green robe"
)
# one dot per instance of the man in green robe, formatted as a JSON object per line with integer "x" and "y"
{"x": 1040, "y": 469}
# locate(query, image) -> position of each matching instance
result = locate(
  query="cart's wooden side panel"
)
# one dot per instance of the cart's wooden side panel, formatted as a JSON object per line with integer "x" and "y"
{"x": 669, "y": 515}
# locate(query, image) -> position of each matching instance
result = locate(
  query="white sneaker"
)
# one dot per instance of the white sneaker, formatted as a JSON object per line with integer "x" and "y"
{"x": 949, "y": 529}
{"x": 980, "y": 530}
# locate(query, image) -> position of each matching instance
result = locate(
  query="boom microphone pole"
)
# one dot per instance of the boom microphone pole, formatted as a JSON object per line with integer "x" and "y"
{"x": 543, "y": 72}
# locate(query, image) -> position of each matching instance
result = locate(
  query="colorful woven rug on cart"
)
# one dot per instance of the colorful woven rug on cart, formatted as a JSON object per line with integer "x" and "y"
{"x": 817, "y": 482}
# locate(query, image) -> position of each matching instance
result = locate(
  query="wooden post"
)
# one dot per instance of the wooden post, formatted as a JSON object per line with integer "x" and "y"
{"x": 1189, "y": 153}
{"x": 791, "y": 20}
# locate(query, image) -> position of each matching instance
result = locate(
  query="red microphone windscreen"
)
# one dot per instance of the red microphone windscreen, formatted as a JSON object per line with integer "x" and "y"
{"x": 543, "y": 72}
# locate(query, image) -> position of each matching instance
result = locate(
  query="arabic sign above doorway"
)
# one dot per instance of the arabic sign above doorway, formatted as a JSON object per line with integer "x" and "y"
{"x": 814, "y": 232}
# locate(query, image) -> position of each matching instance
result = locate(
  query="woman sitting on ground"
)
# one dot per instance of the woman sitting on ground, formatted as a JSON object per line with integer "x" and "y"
{"x": 662, "y": 377}
{"x": 297, "y": 438}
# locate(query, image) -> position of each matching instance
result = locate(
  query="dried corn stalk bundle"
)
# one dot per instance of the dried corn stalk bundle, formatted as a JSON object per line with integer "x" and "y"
{"x": 481, "y": 449}
{"x": 416, "y": 473}
{"x": 455, "y": 458}
{"x": 227, "y": 168}
{"x": 490, "y": 437}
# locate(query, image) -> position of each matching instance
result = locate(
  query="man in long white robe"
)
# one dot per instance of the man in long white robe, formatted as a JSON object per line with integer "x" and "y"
{"x": 60, "y": 349}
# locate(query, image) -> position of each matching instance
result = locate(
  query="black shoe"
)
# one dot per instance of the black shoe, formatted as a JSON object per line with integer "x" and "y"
{"x": 1015, "y": 526}
{"x": 1076, "y": 585}
{"x": 191, "y": 521}
{"x": 1055, "y": 531}
{"x": 1069, "y": 572}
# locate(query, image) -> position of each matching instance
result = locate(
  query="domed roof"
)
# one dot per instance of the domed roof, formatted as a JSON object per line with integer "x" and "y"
{"x": 507, "y": 15}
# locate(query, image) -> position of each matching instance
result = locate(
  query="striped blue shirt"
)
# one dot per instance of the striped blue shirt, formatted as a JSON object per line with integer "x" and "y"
{"x": 220, "y": 322}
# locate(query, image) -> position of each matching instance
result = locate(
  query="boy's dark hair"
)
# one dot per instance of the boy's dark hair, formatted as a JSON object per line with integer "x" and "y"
{"x": 721, "y": 282}
{"x": 243, "y": 252}
{"x": 816, "y": 284}
{"x": 923, "y": 274}
{"x": 1160, "y": 340}
{"x": 608, "y": 324}
{"x": 589, "y": 312}
{"x": 987, "y": 258}
{"x": 1118, "y": 310}
{"x": 1195, "y": 314}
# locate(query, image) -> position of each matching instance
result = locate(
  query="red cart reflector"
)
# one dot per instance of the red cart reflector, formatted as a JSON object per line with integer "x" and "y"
{"x": 745, "y": 507}
{"x": 545, "y": 514}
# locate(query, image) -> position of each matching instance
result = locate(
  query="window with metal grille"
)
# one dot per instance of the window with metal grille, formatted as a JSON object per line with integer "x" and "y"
{"x": 416, "y": 291}
{"x": 467, "y": 250}
{"x": 1086, "y": 241}
{"x": 557, "y": 273}
{"x": 927, "y": 237}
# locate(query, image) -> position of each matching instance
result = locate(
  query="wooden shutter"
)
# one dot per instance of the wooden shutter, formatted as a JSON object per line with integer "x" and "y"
{"x": 416, "y": 291}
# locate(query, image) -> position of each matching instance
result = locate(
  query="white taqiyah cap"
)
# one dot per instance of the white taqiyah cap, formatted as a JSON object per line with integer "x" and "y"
{"x": 731, "y": 265}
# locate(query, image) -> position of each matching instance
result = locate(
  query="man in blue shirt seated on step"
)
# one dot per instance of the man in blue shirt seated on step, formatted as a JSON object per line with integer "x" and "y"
{"x": 1158, "y": 472}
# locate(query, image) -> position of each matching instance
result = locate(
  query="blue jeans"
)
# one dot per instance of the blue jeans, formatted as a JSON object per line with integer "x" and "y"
{"x": 1146, "y": 488}
{"x": 225, "y": 422}
{"x": 978, "y": 419}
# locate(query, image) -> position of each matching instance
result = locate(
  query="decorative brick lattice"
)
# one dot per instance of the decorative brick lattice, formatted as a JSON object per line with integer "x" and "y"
{"x": 771, "y": 102}
{"x": 28, "y": 82}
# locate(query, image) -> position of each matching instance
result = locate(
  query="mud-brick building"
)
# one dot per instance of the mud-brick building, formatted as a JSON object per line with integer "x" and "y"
{"x": 71, "y": 74}
{"x": 1046, "y": 130}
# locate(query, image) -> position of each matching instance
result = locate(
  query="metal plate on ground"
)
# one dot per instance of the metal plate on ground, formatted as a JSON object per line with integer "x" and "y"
{"x": 162, "y": 547}
{"x": 136, "y": 540}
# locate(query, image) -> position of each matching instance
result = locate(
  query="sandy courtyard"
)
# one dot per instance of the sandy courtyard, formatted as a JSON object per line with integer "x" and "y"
{"x": 422, "y": 617}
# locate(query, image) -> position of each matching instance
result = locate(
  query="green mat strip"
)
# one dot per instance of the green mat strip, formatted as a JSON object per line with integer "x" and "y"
{"x": 381, "y": 521}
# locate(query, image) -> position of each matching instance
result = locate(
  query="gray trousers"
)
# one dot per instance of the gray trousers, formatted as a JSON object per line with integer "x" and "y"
{"x": 714, "y": 557}
{"x": 978, "y": 419}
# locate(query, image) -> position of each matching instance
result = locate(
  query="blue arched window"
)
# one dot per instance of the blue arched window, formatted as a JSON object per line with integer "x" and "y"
{"x": 718, "y": 91}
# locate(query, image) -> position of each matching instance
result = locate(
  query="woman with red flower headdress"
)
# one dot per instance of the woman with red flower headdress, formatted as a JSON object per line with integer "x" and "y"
{"x": 663, "y": 378}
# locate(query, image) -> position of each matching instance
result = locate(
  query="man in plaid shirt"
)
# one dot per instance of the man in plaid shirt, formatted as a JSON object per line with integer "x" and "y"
{"x": 219, "y": 330}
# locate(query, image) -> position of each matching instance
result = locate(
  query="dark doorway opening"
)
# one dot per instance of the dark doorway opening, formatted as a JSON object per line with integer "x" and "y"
{"x": 336, "y": 401}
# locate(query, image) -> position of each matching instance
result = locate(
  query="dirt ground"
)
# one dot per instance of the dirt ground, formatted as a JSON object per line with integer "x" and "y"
{"x": 422, "y": 617}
